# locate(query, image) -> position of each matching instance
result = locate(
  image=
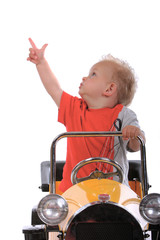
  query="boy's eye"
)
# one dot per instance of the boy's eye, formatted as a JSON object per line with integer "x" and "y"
{"x": 93, "y": 74}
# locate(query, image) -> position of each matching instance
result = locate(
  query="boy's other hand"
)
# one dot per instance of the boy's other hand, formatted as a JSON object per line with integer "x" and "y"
{"x": 130, "y": 132}
{"x": 36, "y": 55}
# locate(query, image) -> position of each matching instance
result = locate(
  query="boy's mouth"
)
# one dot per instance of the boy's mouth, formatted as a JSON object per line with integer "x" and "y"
{"x": 81, "y": 84}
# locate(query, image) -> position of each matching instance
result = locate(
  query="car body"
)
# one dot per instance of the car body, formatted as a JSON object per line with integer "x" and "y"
{"x": 96, "y": 207}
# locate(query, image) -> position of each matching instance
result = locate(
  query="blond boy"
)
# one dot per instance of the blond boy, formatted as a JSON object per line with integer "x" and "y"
{"x": 105, "y": 93}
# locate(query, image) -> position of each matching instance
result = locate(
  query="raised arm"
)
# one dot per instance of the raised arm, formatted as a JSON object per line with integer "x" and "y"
{"x": 48, "y": 78}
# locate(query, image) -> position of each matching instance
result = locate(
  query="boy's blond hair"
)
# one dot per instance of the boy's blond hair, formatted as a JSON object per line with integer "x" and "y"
{"x": 124, "y": 77}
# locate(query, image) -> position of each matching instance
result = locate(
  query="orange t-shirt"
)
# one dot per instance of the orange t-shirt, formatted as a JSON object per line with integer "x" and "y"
{"x": 76, "y": 116}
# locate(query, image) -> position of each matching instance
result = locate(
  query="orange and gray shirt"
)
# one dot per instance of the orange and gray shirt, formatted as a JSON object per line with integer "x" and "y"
{"x": 76, "y": 116}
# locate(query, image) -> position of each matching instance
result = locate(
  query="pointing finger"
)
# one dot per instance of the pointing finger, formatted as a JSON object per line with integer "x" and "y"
{"x": 32, "y": 43}
{"x": 44, "y": 46}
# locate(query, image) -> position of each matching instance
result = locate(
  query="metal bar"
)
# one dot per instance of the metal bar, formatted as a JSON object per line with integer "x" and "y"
{"x": 52, "y": 188}
{"x": 143, "y": 167}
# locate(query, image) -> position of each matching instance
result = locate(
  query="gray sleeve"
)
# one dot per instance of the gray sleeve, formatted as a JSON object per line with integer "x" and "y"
{"x": 128, "y": 117}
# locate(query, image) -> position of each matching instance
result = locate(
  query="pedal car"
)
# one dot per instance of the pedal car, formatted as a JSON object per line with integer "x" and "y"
{"x": 95, "y": 207}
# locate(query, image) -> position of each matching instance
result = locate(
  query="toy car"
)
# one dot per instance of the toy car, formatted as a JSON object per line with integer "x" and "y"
{"x": 95, "y": 207}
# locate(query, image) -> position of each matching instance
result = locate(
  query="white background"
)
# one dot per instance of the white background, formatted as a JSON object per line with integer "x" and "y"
{"x": 79, "y": 33}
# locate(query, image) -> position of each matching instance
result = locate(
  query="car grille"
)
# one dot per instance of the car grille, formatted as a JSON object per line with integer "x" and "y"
{"x": 104, "y": 231}
{"x": 103, "y": 221}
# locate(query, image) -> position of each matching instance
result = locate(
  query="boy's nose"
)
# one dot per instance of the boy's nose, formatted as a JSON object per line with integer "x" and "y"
{"x": 84, "y": 78}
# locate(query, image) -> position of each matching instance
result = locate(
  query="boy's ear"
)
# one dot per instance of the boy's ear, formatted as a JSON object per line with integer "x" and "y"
{"x": 110, "y": 90}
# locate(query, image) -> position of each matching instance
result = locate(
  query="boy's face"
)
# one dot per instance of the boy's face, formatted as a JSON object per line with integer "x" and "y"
{"x": 95, "y": 84}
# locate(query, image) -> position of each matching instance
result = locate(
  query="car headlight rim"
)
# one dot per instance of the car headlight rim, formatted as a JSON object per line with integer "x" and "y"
{"x": 52, "y": 209}
{"x": 150, "y": 208}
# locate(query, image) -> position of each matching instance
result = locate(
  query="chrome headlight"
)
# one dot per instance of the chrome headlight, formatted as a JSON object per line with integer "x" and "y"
{"x": 52, "y": 209}
{"x": 150, "y": 208}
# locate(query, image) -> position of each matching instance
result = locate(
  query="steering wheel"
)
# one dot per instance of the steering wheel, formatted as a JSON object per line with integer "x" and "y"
{"x": 97, "y": 174}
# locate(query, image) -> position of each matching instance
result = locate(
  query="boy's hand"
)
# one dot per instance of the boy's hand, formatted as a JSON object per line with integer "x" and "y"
{"x": 48, "y": 78}
{"x": 131, "y": 132}
{"x": 36, "y": 55}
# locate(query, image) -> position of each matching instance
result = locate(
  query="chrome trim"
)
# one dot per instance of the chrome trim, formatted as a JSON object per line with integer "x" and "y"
{"x": 95, "y": 134}
{"x": 143, "y": 166}
{"x": 94, "y": 203}
{"x": 98, "y": 159}
{"x": 47, "y": 199}
{"x": 146, "y": 201}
